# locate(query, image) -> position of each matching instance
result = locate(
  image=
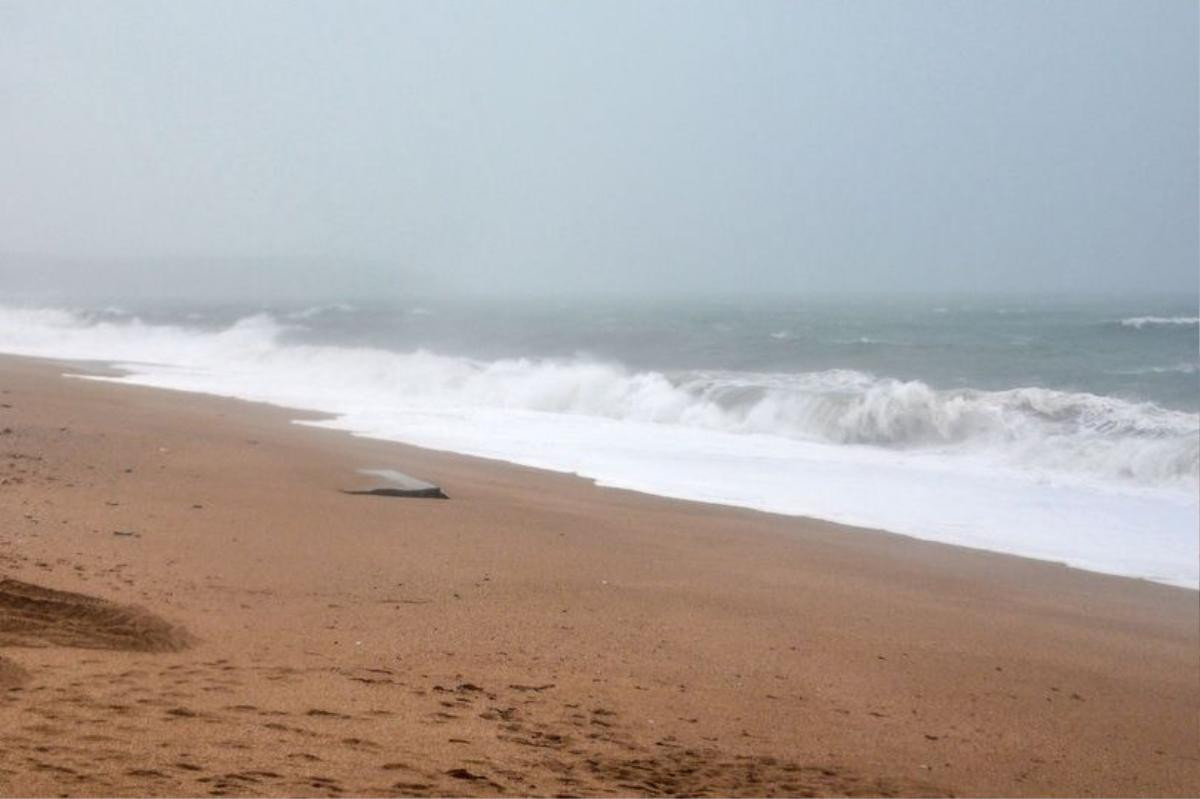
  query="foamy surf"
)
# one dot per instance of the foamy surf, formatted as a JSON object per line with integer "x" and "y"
{"x": 1139, "y": 322}
{"x": 1096, "y": 482}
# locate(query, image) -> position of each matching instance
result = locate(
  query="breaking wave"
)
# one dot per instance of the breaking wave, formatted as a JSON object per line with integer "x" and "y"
{"x": 1042, "y": 429}
{"x": 1139, "y": 322}
{"x": 313, "y": 311}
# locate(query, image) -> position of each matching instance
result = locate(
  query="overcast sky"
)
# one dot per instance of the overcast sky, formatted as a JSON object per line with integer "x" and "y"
{"x": 781, "y": 147}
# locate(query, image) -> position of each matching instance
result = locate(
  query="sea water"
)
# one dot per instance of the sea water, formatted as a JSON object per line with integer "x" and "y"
{"x": 1066, "y": 430}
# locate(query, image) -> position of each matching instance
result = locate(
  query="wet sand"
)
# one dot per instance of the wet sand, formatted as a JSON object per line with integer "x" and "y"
{"x": 190, "y": 605}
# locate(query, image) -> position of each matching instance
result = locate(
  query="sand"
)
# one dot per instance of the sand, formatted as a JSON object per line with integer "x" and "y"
{"x": 191, "y": 606}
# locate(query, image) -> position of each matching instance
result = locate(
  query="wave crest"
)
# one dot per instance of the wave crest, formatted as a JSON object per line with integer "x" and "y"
{"x": 1031, "y": 428}
{"x": 1139, "y": 322}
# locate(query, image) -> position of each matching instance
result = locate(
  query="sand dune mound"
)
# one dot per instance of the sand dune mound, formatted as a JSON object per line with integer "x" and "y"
{"x": 31, "y": 615}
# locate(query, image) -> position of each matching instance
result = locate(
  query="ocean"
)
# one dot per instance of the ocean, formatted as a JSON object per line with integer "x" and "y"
{"x": 1066, "y": 430}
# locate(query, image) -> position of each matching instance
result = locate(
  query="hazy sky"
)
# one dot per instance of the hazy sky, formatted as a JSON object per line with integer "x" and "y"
{"x": 714, "y": 146}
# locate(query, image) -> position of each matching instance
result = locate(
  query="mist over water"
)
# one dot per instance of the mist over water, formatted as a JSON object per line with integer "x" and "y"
{"x": 260, "y": 149}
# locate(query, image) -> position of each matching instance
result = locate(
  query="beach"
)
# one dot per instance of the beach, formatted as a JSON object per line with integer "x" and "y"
{"x": 235, "y": 624}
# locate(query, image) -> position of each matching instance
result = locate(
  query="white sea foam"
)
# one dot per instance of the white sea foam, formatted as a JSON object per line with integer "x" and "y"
{"x": 1093, "y": 481}
{"x": 1139, "y": 322}
{"x": 314, "y": 311}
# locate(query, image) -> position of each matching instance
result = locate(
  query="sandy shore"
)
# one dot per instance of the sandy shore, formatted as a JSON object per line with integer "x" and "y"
{"x": 533, "y": 634}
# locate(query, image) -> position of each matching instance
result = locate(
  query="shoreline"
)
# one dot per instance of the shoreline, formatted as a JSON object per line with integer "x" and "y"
{"x": 469, "y": 646}
{"x": 109, "y": 371}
